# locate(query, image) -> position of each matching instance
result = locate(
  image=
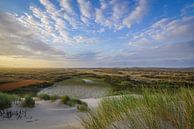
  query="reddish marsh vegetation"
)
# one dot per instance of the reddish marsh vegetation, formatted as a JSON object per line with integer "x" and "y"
{"x": 18, "y": 84}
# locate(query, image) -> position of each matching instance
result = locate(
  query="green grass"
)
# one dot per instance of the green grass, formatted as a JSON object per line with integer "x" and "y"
{"x": 80, "y": 81}
{"x": 28, "y": 102}
{"x": 6, "y": 99}
{"x": 82, "y": 107}
{"x": 65, "y": 99}
{"x": 155, "y": 110}
{"x": 77, "y": 88}
{"x": 72, "y": 102}
{"x": 44, "y": 96}
{"x": 53, "y": 98}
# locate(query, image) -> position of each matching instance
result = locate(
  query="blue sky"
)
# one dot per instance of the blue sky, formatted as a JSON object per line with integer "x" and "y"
{"x": 97, "y": 33}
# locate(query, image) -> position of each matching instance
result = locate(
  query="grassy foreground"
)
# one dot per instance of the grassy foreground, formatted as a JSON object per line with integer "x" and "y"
{"x": 151, "y": 111}
{"x": 6, "y": 99}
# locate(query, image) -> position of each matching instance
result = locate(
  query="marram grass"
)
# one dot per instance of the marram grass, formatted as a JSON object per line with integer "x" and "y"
{"x": 160, "y": 110}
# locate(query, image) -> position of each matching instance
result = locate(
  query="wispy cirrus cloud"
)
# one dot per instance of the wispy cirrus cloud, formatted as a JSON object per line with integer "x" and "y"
{"x": 86, "y": 10}
{"x": 166, "y": 30}
{"x": 19, "y": 41}
{"x": 53, "y": 24}
{"x": 137, "y": 14}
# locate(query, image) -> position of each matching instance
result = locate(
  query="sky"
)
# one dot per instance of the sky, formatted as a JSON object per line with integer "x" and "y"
{"x": 96, "y": 33}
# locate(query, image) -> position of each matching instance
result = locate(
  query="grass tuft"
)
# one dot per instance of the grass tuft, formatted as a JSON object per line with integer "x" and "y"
{"x": 28, "y": 102}
{"x": 44, "y": 96}
{"x": 65, "y": 99}
{"x": 6, "y": 99}
{"x": 53, "y": 98}
{"x": 155, "y": 110}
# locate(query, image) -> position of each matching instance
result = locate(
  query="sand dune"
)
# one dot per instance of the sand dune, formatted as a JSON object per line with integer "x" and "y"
{"x": 52, "y": 115}
{"x": 46, "y": 115}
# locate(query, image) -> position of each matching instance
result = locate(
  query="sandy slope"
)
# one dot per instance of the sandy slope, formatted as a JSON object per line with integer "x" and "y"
{"x": 93, "y": 102}
{"x": 46, "y": 115}
{"x": 51, "y": 115}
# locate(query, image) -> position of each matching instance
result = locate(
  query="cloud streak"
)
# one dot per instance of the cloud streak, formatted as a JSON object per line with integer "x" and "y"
{"x": 164, "y": 31}
{"x": 168, "y": 55}
{"x": 137, "y": 14}
{"x": 17, "y": 40}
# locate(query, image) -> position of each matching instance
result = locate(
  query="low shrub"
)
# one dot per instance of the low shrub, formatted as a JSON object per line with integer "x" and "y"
{"x": 44, "y": 96}
{"x": 28, "y": 102}
{"x": 76, "y": 101}
{"x": 65, "y": 99}
{"x": 53, "y": 98}
{"x": 70, "y": 103}
{"x": 73, "y": 102}
{"x": 5, "y": 101}
{"x": 82, "y": 107}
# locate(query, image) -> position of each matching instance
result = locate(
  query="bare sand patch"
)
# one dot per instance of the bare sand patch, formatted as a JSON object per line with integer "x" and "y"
{"x": 46, "y": 115}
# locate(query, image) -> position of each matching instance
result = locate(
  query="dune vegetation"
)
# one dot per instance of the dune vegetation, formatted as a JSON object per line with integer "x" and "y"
{"x": 119, "y": 98}
{"x": 6, "y": 100}
{"x": 153, "y": 110}
{"x": 79, "y": 87}
{"x": 28, "y": 102}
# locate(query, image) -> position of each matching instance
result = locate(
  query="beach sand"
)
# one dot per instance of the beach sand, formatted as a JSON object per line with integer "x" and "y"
{"x": 46, "y": 115}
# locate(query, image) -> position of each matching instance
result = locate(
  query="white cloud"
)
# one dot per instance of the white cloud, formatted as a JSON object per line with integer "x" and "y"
{"x": 46, "y": 25}
{"x": 68, "y": 13}
{"x": 186, "y": 9}
{"x": 50, "y": 8}
{"x": 67, "y": 7}
{"x": 165, "y": 31}
{"x": 102, "y": 14}
{"x": 136, "y": 14}
{"x": 117, "y": 14}
{"x": 71, "y": 29}
{"x": 111, "y": 14}
{"x": 57, "y": 24}
{"x": 84, "y": 39}
{"x": 86, "y": 8}
{"x": 20, "y": 41}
